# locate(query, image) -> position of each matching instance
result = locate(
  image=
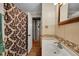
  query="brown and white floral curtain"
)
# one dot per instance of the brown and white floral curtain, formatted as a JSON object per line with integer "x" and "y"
{"x": 15, "y": 31}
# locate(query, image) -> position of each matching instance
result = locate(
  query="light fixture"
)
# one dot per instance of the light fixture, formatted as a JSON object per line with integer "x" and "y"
{"x": 55, "y": 3}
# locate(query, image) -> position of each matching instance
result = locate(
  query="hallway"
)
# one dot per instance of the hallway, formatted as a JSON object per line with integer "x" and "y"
{"x": 36, "y": 49}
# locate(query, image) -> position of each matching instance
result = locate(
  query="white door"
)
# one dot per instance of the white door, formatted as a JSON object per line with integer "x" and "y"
{"x": 29, "y": 32}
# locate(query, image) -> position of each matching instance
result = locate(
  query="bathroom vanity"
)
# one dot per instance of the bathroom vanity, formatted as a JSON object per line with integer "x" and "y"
{"x": 52, "y": 47}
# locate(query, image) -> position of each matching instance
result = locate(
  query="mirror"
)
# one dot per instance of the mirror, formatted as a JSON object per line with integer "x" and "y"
{"x": 68, "y": 13}
{"x": 73, "y": 10}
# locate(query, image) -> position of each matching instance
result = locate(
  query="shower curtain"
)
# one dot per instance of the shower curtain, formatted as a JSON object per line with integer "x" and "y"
{"x": 15, "y": 31}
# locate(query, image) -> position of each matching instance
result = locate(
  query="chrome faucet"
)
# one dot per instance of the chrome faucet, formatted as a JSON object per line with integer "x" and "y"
{"x": 59, "y": 45}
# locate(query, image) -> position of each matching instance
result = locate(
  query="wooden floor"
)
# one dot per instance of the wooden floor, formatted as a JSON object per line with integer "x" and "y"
{"x": 36, "y": 49}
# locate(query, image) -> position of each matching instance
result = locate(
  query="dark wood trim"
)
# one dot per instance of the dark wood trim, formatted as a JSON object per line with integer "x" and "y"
{"x": 72, "y": 20}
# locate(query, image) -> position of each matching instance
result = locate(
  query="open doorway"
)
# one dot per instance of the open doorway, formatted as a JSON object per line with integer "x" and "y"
{"x": 36, "y": 21}
{"x": 36, "y": 46}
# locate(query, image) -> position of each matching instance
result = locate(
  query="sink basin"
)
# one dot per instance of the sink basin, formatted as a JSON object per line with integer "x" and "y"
{"x": 49, "y": 48}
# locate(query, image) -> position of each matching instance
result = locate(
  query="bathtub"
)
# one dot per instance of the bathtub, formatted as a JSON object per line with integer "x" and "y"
{"x": 50, "y": 48}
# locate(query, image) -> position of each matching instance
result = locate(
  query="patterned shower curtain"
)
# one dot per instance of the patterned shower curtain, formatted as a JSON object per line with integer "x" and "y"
{"x": 16, "y": 43}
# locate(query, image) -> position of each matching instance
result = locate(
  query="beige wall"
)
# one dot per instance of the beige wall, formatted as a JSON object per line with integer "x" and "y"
{"x": 48, "y": 19}
{"x": 69, "y": 31}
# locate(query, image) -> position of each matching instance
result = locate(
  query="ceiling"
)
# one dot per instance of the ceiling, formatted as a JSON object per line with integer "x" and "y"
{"x": 33, "y": 8}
